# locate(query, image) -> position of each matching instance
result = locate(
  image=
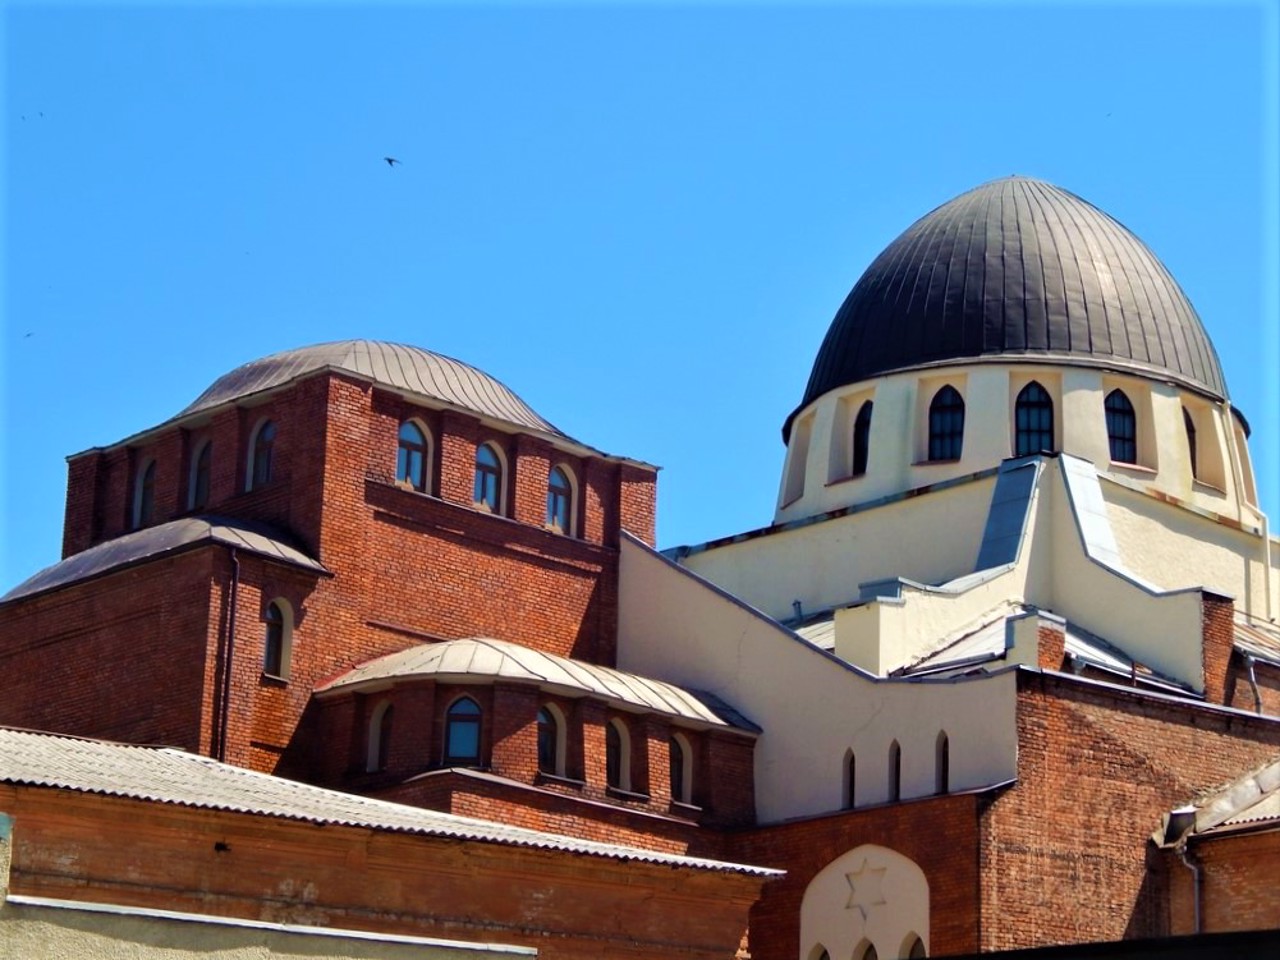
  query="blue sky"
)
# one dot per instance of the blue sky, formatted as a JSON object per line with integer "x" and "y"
{"x": 640, "y": 217}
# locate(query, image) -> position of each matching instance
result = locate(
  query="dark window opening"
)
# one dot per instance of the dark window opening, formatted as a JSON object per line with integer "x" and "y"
{"x": 946, "y": 424}
{"x": 861, "y": 439}
{"x": 548, "y": 741}
{"x": 488, "y": 486}
{"x": 145, "y": 507}
{"x": 1191, "y": 442}
{"x": 263, "y": 445}
{"x": 273, "y": 644}
{"x": 895, "y": 772}
{"x": 462, "y": 733}
{"x": 559, "y": 499}
{"x": 411, "y": 457}
{"x": 200, "y": 477}
{"x": 943, "y": 783}
{"x": 1033, "y": 421}
{"x": 1122, "y": 427}
{"x": 677, "y": 770}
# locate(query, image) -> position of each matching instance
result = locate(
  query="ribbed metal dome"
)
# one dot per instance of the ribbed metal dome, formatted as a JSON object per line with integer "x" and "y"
{"x": 396, "y": 365}
{"x": 1016, "y": 269}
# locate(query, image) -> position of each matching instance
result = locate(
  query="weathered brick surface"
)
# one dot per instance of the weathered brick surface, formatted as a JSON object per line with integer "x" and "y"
{"x": 1237, "y": 888}
{"x": 1064, "y": 852}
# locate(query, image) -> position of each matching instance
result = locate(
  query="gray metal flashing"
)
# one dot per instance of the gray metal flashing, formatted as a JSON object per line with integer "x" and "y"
{"x": 1218, "y": 518}
{"x": 162, "y": 540}
{"x": 337, "y": 933}
{"x": 170, "y": 776}
{"x": 474, "y": 658}
{"x": 680, "y": 552}
{"x": 1006, "y": 526}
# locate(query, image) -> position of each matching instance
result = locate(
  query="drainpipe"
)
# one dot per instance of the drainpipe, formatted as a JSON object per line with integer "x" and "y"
{"x": 1253, "y": 682}
{"x": 229, "y": 646}
{"x": 1185, "y": 856}
{"x": 1266, "y": 567}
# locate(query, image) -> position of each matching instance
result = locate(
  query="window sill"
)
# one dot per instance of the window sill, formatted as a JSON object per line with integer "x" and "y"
{"x": 273, "y": 680}
{"x": 1199, "y": 486}
{"x": 689, "y": 810}
{"x": 1133, "y": 468}
{"x": 556, "y": 779}
{"x": 620, "y": 794}
{"x": 934, "y": 463}
{"x": 839, "y": 480}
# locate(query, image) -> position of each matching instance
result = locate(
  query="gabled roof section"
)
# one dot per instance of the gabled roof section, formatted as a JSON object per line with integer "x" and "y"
{"x": 164, "y": 775}
{"x": 161, "y": 540}
{"x": 483, "y": 658}
{"x": 1256, "y": 638}
{"x": 397, "y": 365}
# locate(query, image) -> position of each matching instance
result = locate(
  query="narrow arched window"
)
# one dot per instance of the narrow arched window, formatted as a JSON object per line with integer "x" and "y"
{"x": 942, "y": 764}
{"x": 895, "y": 772}
{"x": 946, "y": 424}
{"x": 488, "y": 486}
{"x": 861, "y": 439}
{"x": 379, "y": 737}
{"x": 462, "y": 733}
{"x": 198, "y": 484}
{"x": 914, "y": 949}
{"x": 548, "y": 742}
{"x": 144, "y": 495}
{"x": 681, "y": 769}
{"x": 1122, "y": 427}
{"x": 617, "y": 755}
{"x": 261, "y": 455}
{"x": 277, "y": 639}
{"x": 1190, "y": 426}
{"x": 867, "y": 952}
{"x": 411, "y": 457}
{"x": 560, "y": 501}
{"x": 850, "y": 780}
{"x": 1033, "y": 421}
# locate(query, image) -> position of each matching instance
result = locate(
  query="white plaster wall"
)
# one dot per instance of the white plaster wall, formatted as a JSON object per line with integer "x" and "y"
{"x": 929, "y": 538}
{"x": 812, "y": 707}
{"x": 870, "y": 893}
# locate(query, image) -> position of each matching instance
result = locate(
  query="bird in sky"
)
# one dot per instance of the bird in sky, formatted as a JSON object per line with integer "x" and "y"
{"x": 391, "y": 161}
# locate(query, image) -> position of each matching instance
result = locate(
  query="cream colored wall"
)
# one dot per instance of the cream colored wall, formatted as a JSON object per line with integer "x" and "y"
{"x": 899, "y": 435}
{"x": 870, "y": 894}
{"x": 812, "y": 707}
{"x": 58, "y": 930}
{"x": 928, "y": 538}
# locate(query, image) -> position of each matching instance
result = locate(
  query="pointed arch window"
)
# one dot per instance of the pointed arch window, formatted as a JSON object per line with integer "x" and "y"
{"x": 560, "y": 501}
{"x": 946, "y": 424}
{"x": 198, "y": 486}
{"x": 1122, "y": 427}
{"x": 850, "y": 780}
{"x": 551, "y": 740}
{"x": 261, "y": 455}
{"x": 411, "y": 457}
{"x": 895, "y": 772}
{"x": 1190, "y": 426}
{"x": 915, "y": 949}
{"x": 861, "y": 439}
{"x": 144, "y": 495}
{"x": 277, "y": 643}
{"x": 462, "y": 733}
{"x": 681, "y": 754}
{"x": 942, "y": 764}
{"x": 1033, "y": 421}
{"x": 488, "y": 485}
{"x": 617, "y": 755}
{"x": 379, "y": 737}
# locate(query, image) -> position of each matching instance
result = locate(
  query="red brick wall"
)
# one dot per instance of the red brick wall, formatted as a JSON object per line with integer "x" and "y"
{"x": 1241, "y": 689}
{"x": 569, "y": 906}
{"x": 1217, "y": 616}
{"x": 1065, "y": 852}
{"x": 1238, "y": 889}
{"x": 939, "y": 834}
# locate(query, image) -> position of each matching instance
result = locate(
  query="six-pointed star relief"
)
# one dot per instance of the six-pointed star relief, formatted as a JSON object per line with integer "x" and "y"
{"x": 864, "y": 888}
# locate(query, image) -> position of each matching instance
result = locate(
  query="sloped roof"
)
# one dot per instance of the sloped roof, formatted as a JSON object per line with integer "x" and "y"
{"x": 1257, "y": 639}
{"x": 170, "y": 776}
{"x": 165, "y": 538}
{"x": 398, "y": 365}
{"x": 499, "y": 660}
{"x": 1016, "y": 269}
{"x": 1247, "y": 802}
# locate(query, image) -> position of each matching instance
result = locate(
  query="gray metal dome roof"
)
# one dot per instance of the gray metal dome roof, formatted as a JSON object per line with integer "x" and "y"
{"x": 1016, "y": 269}
{"x": 392, "y": 364}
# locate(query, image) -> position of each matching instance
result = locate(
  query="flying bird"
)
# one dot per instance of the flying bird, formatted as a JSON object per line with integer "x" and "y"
{"x": 391, "y": 161}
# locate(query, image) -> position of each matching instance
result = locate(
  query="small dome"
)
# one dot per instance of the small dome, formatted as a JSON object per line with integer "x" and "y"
{"x": 391, "y": 364}
{"x": 1016, "y": 269}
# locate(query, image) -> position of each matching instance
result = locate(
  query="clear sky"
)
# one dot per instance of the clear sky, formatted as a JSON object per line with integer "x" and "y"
{"x": 640, "y": 217}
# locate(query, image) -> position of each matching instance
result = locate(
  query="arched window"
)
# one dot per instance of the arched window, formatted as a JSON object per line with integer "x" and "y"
{"x": 462, "y": 733}
{"x": 488, "y": 486}
{"x": 411, "y": 457}
{"x": 617, "y": 755}
{"x": 261, "y": 449}
{"x": 551, "y": 740}
{"x": 277, "y": 646}
{"x": 946, "y": 424}
{"x": 850, "y": 780}
{"x": 913, "y": 949}
{"x": 1122, "y": 427}
{"x": 379, "y": 737}
{"x": 895, "y": 772}
{"x": 198, "y": 483}
{"x": 681, "y": 769}
{"x": 1191, "y": 441}
{"x": 861, "y": 439}
{"x": 560, "y": 501}
{"x": 865, "y": 951}
{"x": 942, "y": 766}
{"x": 1033, "y": 421}
{"x": 144, "y": 495}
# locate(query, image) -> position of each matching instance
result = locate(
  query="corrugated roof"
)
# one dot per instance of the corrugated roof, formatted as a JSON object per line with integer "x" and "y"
{"x": 1015, "y": 269}
{"x": 1261, "y": 640}
{"x": 393, "y": 364}
{"x": 164, "y": 775}
{"x": 164, "y": 538}
{"x": 498, "y": 659}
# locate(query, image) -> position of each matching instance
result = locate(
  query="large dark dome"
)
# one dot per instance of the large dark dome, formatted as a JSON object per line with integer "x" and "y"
{"x": 1016, "y": 269}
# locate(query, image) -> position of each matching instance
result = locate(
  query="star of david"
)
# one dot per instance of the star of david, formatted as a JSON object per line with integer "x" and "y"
{"x": 864, "y": 889}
